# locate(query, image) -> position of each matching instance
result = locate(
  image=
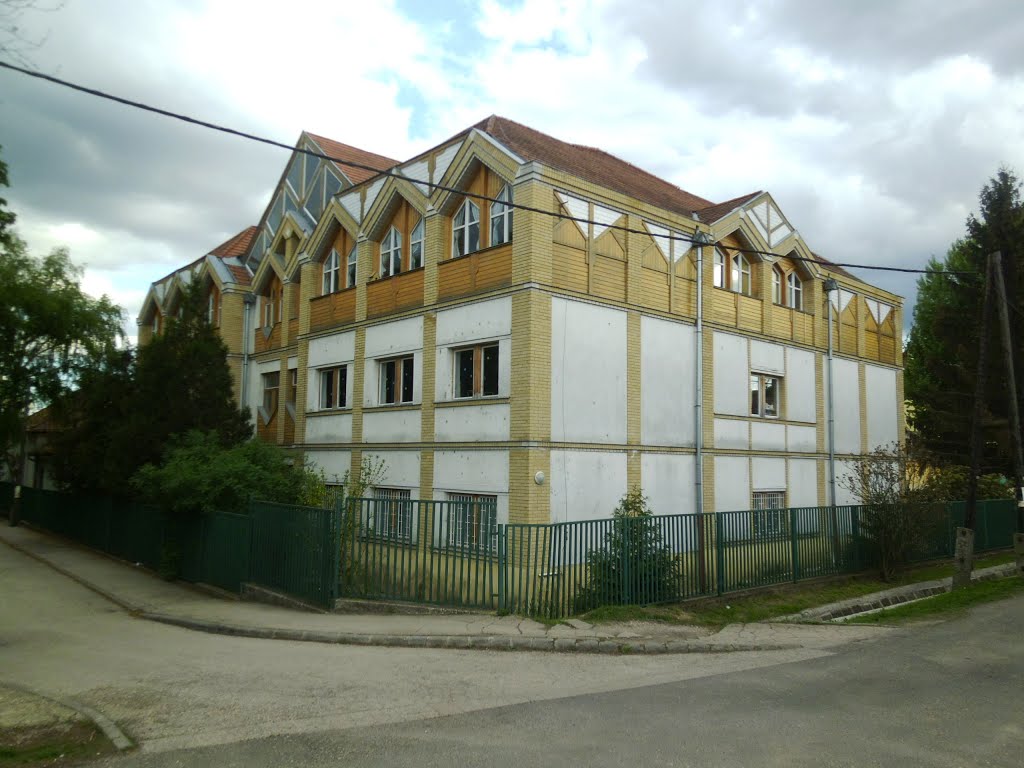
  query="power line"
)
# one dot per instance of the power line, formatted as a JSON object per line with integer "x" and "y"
{"x": 672, "y": 237}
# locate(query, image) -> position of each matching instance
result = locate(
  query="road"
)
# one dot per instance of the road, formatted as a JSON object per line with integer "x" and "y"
{"x": 947, "y": 694}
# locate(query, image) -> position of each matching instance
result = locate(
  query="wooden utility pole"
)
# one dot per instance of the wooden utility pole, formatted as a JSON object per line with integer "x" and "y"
{"x": 964, "y": 554}
{"x": 1002, "y": 301}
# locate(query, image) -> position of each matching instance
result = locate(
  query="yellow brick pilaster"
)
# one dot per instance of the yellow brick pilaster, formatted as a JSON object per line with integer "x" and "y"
{"x": 823, "y": 488}
{"x": 862, "y": 318}
{"x": 287, "y": 302}
{"x": 897, "y": 324}
{"x": 531, "y": 244}
{"x": 365, "y": 268}
{"x": 308, "y": 290}
{"x": 283, "y": 388}
{"x": 708, "y": 384}
{"x": 529, "y": 502}
{"x": 429, "y": 374}
{"x": 530, "y": 396}
{"x": 901, "y": 410}
{"x": 863, "y": 387}
{"x": 301, "y": 392}
{"x": 433, "y": 254}
{"x": 820, "y": 400}
{"x": 358, "y": 368}
{"x": 634, "y": 260}
{"x": 709, "y": 483}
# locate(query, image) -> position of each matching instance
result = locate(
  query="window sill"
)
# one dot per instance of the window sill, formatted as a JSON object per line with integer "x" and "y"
{"x": 468, "y": 401}
{"x": 486, "y": 250}
{"x": 392, "y": 277}
{"x": 334, "y": 293}
{"x": 329, "y": 411}
{"x": 392, "y": 407}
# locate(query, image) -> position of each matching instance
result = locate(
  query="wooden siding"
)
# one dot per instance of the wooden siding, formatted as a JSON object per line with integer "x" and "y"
{"x": 267, "y": 432}
{"x": 263, "y": 342}
{"x": 684, "y": 297}
{"x": 569, "y": 270}
{"x": 333, "y": 309}
{"x": 609, "y": 278}
{"x": 475, "y": 273}
{"x": 790, "y": 324}
{"x": 392, "y": 294}
{"x": 654, "y": 289}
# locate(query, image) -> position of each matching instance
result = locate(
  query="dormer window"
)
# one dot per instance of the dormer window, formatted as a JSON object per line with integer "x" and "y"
{"x": 416, "y": 246}
{"x": 391, "y": 253}
{"x": 332, "y": 270}
{"x": 466, "y": 229}
{"x": 501, "y": 217}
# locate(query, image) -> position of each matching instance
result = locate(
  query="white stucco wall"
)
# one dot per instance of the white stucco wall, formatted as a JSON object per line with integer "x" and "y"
{"x": 667, "y": 388}
{"x": 732, "y": 483}
{"x": 803, "y": 483}
{"x": 801, "y": 439}
{"x": 391, "y": 426}
{"x": 847, "y": 405}
{"x": 767, "y": 358}
{"x": 800, "y": 386}
{"x": 767, "y": 436}
{"x": 767, "y": 474}
{"x": 394, "y": 338}
{"x": 883, "y": 415}
{"x": 732, "y": 375}
{"x": 332, "y": 350}
{"x": 468, "y": 323}
{"x": 732, "y": 433}
{"x": 668, "y": 482}
{"x": 844, "y": 469}
{"x": 328, "y": 428}
{"x": 401, "y": 469}
{"x": 333, "y": 463}
{"x": 588, "y": 373}
{"x": 471, "y": 472}
{"x": 472, "y": 423}
{"x": 586, "y": 485}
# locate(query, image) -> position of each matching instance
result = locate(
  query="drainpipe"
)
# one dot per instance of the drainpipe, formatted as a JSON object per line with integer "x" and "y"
{"x": 829, "y": 286}
{"x": 700, "y": 239}
{"x": 250, "y": 301}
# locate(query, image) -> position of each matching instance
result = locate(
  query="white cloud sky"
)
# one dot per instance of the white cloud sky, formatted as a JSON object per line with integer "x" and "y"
{"x": 874, "y": 125}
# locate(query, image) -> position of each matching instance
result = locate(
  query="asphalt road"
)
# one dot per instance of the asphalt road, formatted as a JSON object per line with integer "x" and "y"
{"x": 950, "y": 694}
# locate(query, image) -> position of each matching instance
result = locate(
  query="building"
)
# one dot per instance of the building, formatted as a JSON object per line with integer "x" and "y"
{"x": 512, "y": 317}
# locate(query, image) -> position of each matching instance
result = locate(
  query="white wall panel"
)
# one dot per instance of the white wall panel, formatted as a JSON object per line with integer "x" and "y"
{"x": 472, "y": 423}
{"x": 730, "y": 433}
{"x": 330, "y": 350}
{"x": 767, "y": 358}
{"x": 471, "y": 471}
{"x": 668, "y": 482}
{"x": 844, "y": 469}
{"x": 883, "y": 415}
{"x": 394, "y": 338}
{"x": 401, "y": 469}
{"x": 334, "y": 463}
{"x": 473, "y": 322}
{"x": 386, "y": 426}
{"x": 732, "y": 375}
{"x": 667, "y": 382}
{"x": 732, "y": 483}
{"x": 767, "y": 474}
{"x": 767, "y": 436}
{"x": 800, "y": 386}
{"x": 329, "y": 428}
{"x": 802, "y": 439}
{"x": 588, "y": 373}
{"x": 847, "y": 404}
{"x": 803, "y": 483}
{"x": 586, "y": 485}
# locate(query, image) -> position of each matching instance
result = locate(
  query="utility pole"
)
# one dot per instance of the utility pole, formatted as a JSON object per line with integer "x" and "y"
{"x": 964, "y": 554}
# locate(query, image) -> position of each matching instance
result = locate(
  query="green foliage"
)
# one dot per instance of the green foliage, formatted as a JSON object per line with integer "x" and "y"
{"x": 51, "y": 333}
{"x": 950, "y": 484}
{"x": 634, "y": 566}
{"x": 942, "y": 349}
{"x": 200, "y": 475}
{"x": 6, "y": 217}
{"x": 371, "y": 472}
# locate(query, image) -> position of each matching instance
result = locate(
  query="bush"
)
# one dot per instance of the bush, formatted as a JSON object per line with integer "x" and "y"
{"x": 634, "y": 566}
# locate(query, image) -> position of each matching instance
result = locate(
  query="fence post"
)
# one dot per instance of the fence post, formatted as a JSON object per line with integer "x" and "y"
{"x": 502, "y": 553}
{"x": 334, "y": 541}
{"x": 719, "y": 555}
{"x": 855, "y": 534}
{"x": 626, "y": 590}
{"x": 795, "y": 548}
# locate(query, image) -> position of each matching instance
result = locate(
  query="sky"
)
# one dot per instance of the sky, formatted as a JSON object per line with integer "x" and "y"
{"x": 874, "y": 124}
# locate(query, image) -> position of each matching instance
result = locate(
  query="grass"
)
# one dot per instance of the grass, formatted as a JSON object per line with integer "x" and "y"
{"x": 778, "y": 601}
{"x": 947, "y": 604}
{"x": 54, "y": 747}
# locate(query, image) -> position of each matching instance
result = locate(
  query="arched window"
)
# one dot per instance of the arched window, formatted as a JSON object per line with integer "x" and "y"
{"x": 501, "y": 217}
{"x": 352, "y": 261}
{"x": 796, "y": 291}
{"x": 741, "y": 282}
{"x": 416, "y": 246}
{"x": 466, "y": 229}
{"x": 719, "y": 277}
{"x": 331, "y": 268}
{"x": 391, "y": 253}
{"x": 776, "y": 285}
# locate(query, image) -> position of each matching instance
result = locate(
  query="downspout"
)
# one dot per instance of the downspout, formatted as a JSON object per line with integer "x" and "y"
{"x": 700, "y": 239}
{"x": 829, "y": 286}
{"x": 249, "y": 300}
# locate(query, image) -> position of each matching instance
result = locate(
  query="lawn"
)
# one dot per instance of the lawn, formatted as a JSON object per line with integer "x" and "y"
{"x": 947, "y": 604}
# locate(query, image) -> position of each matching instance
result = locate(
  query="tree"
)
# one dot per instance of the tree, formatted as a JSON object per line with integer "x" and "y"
{"x": 941, "y": 354}
{"x": 50, "y": 331}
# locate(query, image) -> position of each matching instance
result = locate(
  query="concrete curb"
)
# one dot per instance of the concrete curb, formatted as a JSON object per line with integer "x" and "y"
{"x": 470, "y": 642}
{"x": 101, "y": 721}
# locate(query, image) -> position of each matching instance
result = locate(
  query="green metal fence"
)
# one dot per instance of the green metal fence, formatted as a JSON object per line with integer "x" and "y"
{"x": 440, "y": 552}
{"x": 6, "y": 498}
{"x": 295, "y": 550}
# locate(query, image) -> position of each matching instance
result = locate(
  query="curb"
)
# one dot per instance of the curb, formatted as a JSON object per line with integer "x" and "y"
{"x": 101, "y": 721}
{"x": 469, "y": 642}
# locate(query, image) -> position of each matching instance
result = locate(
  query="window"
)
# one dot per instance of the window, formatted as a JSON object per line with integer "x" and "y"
{"x": 765, "y": 395}
{"x": 391, "y": 253}
{"x": 396, "y": 377}
{"x": 795, "y": 291}
{"x": 211, "y": 309}
{"x": 334, "y": 387}
{"x": 776, "y": 285}
{"x": 771, "y": 519}
{"x": 269, "y": 313}
{"x": 293, "y": 386}
{"x": 719, "y": 277}
{"x": 501, "y": 217}
{"x": 466, "y": 230}
{"x": 331, "y": 272}
{"x": 416, "y": 246}
{"x": 352, "y": 262}
{"x": 740, "y": 275}
{"x": 473, "y": 521}
{"x": 156, "y": 323}
{"x": 476, "y": 371}
{"x": 271, "y": 384}
{"x": 391, "y": 516}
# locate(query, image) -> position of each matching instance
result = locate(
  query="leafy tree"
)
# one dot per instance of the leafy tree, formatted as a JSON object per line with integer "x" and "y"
{"x": 199, "y": 475}
{"x": 50, "y": 331}
{"x": 941, "y": 355}
{"x": 634, "y": 566}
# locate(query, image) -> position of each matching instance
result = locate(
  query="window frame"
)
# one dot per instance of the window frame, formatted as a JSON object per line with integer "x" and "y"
{"x": 352, "y": 267}
{"x": 404, "y": 367}
{"x": 758, "y": 408}
{"x": 718, "y": 270}
{"x": 271, "y": 395}
{"x": 479, "y": 378}
{"x": 417, "y": 243}
{"x": 741, "y": 274}
{"x": 462, "y": 232}
{"x": 501, "y": 211}
{"x": 769, "y": 514}
{"x": 457, "y": 525}
{"x": 391, "y": 253}
{"x": 794, "y": 291}
{"x": 778, "y": 281}
{"x": 332, "y": 268}
{"x": 391, "y": 520}
{"x": 335, "y": 379}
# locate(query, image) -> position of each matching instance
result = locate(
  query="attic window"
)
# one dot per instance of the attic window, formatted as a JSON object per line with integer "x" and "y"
{"x": 466, "y": 229}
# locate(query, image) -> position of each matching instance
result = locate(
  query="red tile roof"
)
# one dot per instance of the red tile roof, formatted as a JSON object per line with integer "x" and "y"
{"x": 591, "y": 164}
{"x": 713, "y": 213}
{"x": 237, "y": 245}
{"x": 345, "y": 152}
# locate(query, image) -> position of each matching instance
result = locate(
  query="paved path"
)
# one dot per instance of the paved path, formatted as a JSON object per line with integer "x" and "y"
{"x": 140, "y": 592}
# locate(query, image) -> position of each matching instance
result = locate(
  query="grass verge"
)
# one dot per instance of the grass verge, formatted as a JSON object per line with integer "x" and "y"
{"x": 54, "y": 746}
{"x": 782, "y": 600}
{"x": 947, "y": 604}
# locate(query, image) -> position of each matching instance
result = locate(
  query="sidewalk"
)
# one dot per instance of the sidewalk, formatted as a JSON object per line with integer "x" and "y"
{"x": 146, "y": 596}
